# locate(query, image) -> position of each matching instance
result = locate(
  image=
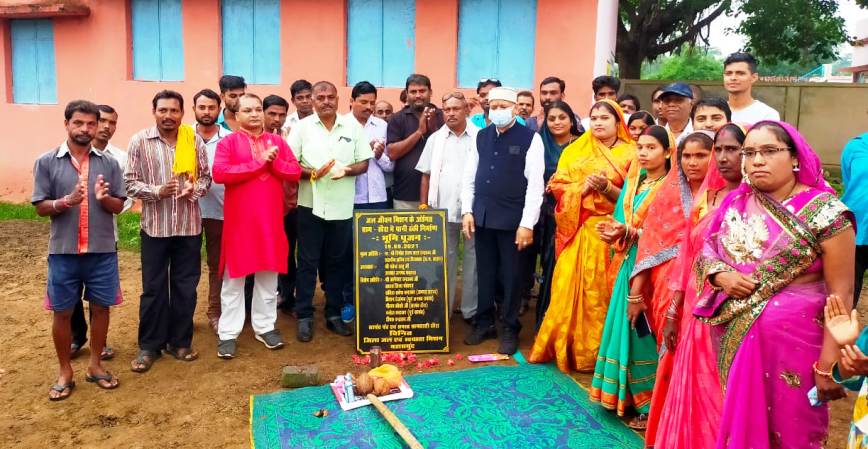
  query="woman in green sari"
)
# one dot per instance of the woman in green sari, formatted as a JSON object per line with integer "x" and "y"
{"x": 627, "y": 361}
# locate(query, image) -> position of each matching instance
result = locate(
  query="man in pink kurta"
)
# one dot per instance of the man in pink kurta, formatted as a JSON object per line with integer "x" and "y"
{"x": 252, "y": 164}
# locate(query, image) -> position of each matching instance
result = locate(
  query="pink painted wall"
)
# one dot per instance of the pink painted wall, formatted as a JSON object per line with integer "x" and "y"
{"x": 93, "y": 60}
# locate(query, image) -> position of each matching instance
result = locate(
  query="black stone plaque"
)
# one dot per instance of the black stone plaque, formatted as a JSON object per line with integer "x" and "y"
{"x": 400, "y": 280}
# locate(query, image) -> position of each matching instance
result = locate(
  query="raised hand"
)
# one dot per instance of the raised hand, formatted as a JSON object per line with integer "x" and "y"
{"x": 78, "y": 192}
{"x": 842, "y": 326}
{"x": 320, "y": 172}
{"x": 101, "y": 188}
{"x": 168, "y": 189}
{"x": 270, "y": 154}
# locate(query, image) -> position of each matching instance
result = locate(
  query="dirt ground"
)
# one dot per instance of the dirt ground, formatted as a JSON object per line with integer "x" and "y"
{"x": 176, "y": 404}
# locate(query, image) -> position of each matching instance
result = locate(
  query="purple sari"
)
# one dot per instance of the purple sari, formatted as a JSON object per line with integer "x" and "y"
{"x": 769, "y": 341}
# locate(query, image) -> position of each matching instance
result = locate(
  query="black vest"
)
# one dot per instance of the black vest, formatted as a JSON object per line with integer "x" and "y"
{"x": 500, "y": 185}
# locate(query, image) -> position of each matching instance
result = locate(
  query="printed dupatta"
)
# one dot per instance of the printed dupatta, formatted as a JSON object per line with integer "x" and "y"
{"x": 666, "y": 224}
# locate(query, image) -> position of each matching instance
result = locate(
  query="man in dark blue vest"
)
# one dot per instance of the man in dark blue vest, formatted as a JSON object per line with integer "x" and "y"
{"x": 500, "y": 200}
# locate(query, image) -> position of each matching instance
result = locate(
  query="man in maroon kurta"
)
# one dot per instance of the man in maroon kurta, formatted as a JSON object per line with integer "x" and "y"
{"x": 252, "y": 164}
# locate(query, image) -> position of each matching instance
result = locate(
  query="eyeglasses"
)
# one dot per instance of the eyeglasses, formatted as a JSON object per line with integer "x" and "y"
{"x": 766, "y": 152}
{"x": 489, "y": 80}
{"x": 728, "y": 149}
{"x": 457, "y": 95}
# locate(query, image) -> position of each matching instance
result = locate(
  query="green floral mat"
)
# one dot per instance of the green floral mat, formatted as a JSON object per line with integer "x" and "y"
{"x": 525, "y": 406}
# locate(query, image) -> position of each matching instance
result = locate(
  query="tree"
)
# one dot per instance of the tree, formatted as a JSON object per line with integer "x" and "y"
{"x": 776, "y": 29}
{"x": 689, "y": 64}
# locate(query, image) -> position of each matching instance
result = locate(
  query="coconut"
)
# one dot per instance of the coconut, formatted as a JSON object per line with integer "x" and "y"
{"x": 381, "y": 387}
{"x": 364, "y": 384}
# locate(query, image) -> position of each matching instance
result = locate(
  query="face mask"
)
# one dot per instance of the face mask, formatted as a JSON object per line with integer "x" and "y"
{"x": 500, "y": 117}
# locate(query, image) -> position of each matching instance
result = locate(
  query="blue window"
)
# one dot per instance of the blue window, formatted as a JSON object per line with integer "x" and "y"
{"x": 381, "y": 41}
{"x": 33, "y": 74}
{"x": 158, "y": 47}
{"x": 251, "y": 40}
{"x": 496, "y": 39}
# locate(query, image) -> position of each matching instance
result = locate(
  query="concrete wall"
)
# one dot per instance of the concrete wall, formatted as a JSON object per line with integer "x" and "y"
{"x": 93, "y": 59}
{"x": 827, "y": 114}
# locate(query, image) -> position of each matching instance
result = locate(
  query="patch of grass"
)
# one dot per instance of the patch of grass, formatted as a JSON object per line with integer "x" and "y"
{"x": 23, "y": 211}
{"x": 128, "y": 222}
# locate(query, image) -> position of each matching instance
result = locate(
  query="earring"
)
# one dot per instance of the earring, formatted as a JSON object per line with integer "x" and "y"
{"x": 796, "y": 168}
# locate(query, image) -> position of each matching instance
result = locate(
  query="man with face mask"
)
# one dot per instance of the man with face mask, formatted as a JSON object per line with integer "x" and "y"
{"x": 501, "y": 197}
{"x": 406, "y": 135}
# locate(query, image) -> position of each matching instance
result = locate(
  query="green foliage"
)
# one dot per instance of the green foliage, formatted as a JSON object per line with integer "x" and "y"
{"x": 805, "y": 32}
{"x": 792, "y": 30}
{"x": 691, "y": 64}
{"x": 128, "y": 222}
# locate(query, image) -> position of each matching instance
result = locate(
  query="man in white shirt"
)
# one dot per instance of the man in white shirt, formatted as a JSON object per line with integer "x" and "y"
{"x": 501, "y": 197}
{"x": 442, "y": 167}
{"x": 677, "y": 101}
{"x": 206, "y": 106}
{"x": 300, "y": 94}
{"x": 371, "y": 186}
{"x": 739, "y": 75}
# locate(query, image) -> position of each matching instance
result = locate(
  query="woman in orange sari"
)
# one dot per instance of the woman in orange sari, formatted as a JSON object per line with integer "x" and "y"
{"x": 586, "y": 185}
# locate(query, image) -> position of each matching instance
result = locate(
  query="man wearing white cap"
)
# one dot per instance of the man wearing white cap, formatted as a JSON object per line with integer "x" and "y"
{"x": 500, "y": 202}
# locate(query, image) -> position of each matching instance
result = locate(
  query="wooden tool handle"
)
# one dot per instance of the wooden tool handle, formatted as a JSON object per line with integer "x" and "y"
{"x": 395, "y": 423}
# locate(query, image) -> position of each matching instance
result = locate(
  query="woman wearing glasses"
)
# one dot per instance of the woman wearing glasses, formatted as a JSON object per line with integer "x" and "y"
{"x": 685, "y": 412}
{"x": 775, "y": 248}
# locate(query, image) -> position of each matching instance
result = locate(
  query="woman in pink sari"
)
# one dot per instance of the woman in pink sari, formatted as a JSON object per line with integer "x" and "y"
{"x": 688, "y": 413}
{"x": 774, "y": 249}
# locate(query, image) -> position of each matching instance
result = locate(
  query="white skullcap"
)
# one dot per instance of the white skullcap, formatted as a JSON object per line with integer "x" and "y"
{"x": 503, "y": 93}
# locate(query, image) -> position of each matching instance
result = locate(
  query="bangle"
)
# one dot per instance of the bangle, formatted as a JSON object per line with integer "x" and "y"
{"x": 821, "y": 373}
{"x": 635, "y": 299}
{"x": 54, "y": 206}
{"x": 608, "y": 187}
{"x": 312, "y": 175}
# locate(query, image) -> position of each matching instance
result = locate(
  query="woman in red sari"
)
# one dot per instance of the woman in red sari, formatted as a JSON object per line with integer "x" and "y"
{"x": 686, "y": 415}
{"x": 665, "y": 227}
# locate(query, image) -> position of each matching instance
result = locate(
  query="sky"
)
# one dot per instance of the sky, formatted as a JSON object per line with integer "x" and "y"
{"x": 728, "y": 43}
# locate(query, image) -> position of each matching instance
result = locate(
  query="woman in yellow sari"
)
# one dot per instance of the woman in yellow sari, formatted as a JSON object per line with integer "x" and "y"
{"x": 586, "y": 185}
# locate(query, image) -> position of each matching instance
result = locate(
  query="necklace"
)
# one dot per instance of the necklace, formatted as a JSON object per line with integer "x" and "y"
{"x": 647, "y": 184}
{"x": 614, "y": 141}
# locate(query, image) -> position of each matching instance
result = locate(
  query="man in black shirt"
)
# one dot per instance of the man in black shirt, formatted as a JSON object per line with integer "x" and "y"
{"x": 408, "y": 131}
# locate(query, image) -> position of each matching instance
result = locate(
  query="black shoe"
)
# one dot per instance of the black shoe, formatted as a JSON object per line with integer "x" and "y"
{"x": 305, "y": 330}
{"x": 479, "y": 335}
{"x": 337, "y": 326}
{"x": 508, "y": 343}
{"x": 470, "y": 321}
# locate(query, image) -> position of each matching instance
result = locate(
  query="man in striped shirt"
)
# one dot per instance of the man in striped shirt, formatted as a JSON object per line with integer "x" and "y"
{"x": 171, "y": 232}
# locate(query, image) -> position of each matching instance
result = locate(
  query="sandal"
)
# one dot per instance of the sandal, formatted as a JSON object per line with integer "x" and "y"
{"x": 75, "y": 349}
{"x": 182, "y": 354}
{"x": 107, "y": 353}
{"x": 68, "y": 387}
{"x": 98, "y": 379}
{"x": 639, "y": 423}
{"x": 144, "y": 360}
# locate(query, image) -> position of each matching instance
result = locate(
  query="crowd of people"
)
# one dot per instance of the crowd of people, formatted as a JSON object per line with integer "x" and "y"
{"x": 680, "y": 248}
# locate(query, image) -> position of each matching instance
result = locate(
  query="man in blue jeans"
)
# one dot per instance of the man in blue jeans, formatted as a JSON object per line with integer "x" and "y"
{"x": 80, "y": 189}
